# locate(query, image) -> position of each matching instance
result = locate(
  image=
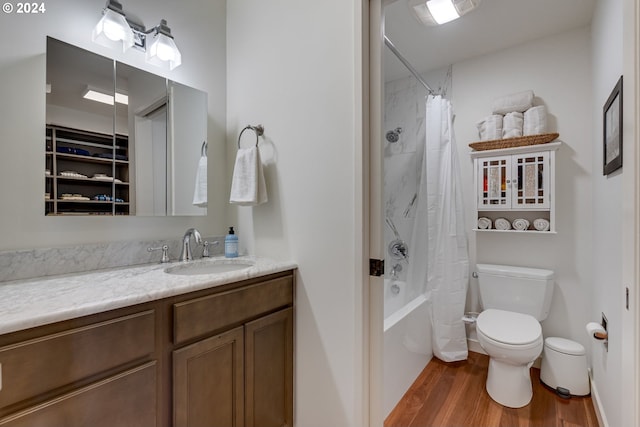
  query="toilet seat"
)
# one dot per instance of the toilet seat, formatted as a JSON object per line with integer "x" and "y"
{"x": 509, "y": 328}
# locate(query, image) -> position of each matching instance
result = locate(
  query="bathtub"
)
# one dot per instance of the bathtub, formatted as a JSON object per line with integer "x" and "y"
{"x": 407, "y": 342}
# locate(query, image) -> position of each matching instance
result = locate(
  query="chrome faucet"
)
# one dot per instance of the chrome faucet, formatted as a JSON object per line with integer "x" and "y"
{"x": 186, "y": 245}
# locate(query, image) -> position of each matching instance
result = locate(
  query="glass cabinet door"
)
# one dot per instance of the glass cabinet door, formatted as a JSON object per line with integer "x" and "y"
{"x": 530, "y": 181}
{"x": 493, "y": 182}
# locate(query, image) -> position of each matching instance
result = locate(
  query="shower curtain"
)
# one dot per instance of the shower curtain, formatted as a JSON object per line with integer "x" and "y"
{"x": 439, "y": 256}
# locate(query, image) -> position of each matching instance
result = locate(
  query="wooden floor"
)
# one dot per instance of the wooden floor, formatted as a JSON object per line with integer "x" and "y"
{"x": 453, "y": 394}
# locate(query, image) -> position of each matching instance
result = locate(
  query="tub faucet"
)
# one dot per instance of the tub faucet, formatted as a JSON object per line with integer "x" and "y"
{"x": 186, "y": 243}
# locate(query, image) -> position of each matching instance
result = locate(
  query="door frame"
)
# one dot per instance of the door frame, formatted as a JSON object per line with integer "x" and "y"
{"x": 371, "y": 44}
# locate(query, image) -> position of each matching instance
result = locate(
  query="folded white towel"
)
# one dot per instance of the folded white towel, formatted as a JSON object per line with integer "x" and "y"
{"x": 248, "y": 187}
{"x": 200, "y": 190}
{"x": 520, "y": 101}
{"x": 484, "y": 223}
{"x": 490, "y": 127}
{"x": 520, "y": 224}
{"x": 535, "y": 120}
{"x": 541, "y": 224}
{"x": 502, "y": 224}
{"x": 512, "y": 125}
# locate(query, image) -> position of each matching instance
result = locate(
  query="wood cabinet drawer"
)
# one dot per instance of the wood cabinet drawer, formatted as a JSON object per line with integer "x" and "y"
{"x": 201, "y": 316}
{"x": 36, "y": 366}
{"x": 124, "y": 400}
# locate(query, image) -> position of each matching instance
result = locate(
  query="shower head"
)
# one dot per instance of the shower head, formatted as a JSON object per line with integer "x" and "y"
{"x": 394, "y": 135}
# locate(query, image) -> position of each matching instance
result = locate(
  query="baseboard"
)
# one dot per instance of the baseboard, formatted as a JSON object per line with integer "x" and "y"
{"x": 474, "y": 345}
{"x": 597, "y": 406}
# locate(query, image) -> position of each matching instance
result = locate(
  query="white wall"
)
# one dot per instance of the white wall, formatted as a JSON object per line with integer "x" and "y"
{"x": 199, "y": 30}
{"x": 607, "y": 228}
{"x": 292, "y": 67}
{"x": 557, "y": 69}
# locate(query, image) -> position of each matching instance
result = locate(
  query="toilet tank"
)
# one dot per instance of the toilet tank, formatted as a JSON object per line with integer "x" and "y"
{"x": 520, "y": 289}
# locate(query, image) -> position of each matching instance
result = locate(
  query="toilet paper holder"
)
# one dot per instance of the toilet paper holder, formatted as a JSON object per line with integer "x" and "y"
{"x": 599, "y": 331}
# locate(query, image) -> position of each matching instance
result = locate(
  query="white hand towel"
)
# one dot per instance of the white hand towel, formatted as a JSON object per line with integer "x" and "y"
{"x": 512, "y": 125}
{"x": 535, "y": 120}
{"x": 502, "y": 224}
{"x": 200, "y": 190}
{"x": 520, "y": 224}
{"x": 520, "y": 101}
{"x": 490, "y": 127}
{"x": 484, "y": 223}
{"x": 248, "y": 187}
{"x": 541, "y": 224}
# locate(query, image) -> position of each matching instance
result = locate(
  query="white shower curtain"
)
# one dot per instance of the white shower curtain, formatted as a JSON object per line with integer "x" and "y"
{"x": 439, "y": 262}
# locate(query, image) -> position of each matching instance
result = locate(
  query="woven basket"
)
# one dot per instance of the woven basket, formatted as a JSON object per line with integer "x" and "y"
{"x": 520, "y": 141}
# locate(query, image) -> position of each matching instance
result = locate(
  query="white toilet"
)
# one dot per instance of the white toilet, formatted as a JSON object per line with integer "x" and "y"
{"x": 514, "y": 301}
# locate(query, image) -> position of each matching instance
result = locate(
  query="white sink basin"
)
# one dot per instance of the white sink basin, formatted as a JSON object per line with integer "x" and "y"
{"x": 208, "y": 267}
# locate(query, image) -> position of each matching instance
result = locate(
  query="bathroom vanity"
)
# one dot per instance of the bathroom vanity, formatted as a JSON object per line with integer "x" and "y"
{"x": 201, "y": 350}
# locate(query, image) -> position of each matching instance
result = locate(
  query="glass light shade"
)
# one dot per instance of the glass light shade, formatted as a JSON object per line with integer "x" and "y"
{"x": 163, "y": 52}
{"x": 113, "y": 31}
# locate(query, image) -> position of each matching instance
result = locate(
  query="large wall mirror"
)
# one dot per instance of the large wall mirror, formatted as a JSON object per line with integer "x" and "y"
{"x": 120, "y": 140}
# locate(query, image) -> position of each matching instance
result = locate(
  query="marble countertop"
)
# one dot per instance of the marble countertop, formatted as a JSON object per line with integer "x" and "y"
{"x": 36, "y": 302}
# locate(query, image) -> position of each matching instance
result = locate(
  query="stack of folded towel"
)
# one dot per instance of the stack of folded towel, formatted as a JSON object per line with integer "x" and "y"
{"x": 512, "y": 116}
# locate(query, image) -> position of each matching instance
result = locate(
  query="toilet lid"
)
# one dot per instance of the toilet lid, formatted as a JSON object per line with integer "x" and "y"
{"x": 508, "y": 327}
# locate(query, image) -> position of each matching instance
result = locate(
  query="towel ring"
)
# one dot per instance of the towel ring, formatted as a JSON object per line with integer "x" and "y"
{"x": 203, "y": 149}
{"x": 259, "y": 131}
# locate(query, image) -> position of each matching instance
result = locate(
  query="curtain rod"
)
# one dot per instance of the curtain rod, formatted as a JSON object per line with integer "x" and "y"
{"x": 407, "y": 64}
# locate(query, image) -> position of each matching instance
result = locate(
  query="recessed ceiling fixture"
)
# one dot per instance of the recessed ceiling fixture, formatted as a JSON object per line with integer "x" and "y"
{"x": 105, "y": 98}
{"x": 438, "y": 12}
{"x": 115, "y": 31}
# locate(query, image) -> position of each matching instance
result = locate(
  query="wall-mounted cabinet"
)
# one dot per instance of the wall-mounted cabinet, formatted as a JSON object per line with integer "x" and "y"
{"x": 516, "y": 183}
{"x": 86, "y": 173}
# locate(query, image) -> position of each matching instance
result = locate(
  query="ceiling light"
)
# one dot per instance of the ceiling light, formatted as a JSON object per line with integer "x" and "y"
{"x": 438, "y": 12}
{"x": 163, "y": 50}
{"x": 113, "y": 30}
{"x": 105, "y": 98}
{"x": 442, "y": 11}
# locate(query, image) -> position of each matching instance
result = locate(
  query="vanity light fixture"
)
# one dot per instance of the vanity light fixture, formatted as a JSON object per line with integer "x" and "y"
{"x": 438, "y": 12}
{"x": 114, "y": 30}
{"x": 163, "y": 50}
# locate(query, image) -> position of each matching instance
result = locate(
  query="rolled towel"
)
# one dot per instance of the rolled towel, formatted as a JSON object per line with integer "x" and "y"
{"x": 490, "y": 127}
{"x": 520, "y": 224}
{"x": 535, "y": 120}
{"x": 502, "y": 224}
{"x": 541, "y": 224}
{"x": 520, "y": 101}
{"x": 484, "y": 223}
{"x": 512, "y": 124}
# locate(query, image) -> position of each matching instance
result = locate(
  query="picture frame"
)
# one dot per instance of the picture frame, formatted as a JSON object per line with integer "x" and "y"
{"x": 612, "y": 130}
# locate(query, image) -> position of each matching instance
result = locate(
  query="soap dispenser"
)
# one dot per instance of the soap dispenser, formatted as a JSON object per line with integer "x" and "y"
{"x": 231, "y": 244}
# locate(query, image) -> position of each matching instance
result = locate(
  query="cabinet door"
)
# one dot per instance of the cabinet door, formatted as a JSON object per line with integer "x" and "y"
{"x": 530, "y": 183}
{"x": 269, "y": 370}
{"x": 208, "y": 387}
{"x": 127, "y": 399}
{"x": 493, "y": 186}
